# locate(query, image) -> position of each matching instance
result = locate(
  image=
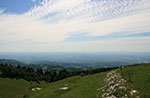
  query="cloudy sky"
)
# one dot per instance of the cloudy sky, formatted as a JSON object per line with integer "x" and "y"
{"x": 74, "y": 26}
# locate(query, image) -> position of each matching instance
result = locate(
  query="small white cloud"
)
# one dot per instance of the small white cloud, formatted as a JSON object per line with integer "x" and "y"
{"x": 33, "y": 0}
{"x": 2, "y": 11}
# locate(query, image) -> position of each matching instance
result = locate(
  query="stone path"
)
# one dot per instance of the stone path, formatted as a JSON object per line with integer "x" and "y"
{"x": 115, "y": 87}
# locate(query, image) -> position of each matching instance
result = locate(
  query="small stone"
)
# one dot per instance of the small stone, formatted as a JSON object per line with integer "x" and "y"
{"x": 133, "y": 92}
{"x": 63, "y": 88}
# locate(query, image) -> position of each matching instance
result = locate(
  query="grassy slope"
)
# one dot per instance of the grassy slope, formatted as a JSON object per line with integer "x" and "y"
{"x": 79, "y": 87}
{"x": 12, "y": 88}
{"x": 138, "y": 78}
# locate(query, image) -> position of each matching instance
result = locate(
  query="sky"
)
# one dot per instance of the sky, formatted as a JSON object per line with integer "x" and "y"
{"x": 74, "y": 26}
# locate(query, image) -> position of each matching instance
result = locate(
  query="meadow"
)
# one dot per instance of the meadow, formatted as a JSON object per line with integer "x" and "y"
{"x": 86, "y": 86}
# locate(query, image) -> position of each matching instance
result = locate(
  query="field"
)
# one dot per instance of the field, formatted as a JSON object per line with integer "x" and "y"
{"x": 12, "y": 88}
{"x": 137, "y": 77}
{"x": 78, "y": 87}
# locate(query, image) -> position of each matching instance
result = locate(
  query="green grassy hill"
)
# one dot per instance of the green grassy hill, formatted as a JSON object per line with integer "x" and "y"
{"x": 12, "y": 88}
{"x": 78, "y": 87}
{"x": 137, "y": 77}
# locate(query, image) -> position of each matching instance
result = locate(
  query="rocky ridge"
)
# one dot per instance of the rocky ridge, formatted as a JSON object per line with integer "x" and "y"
{"x": 115, "y": 87}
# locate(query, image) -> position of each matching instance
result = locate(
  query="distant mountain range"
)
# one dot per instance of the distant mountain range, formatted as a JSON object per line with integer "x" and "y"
{"x": 45, "y": 66}
{"x": 95, "y": 60}
{"x": 12, "y": 62}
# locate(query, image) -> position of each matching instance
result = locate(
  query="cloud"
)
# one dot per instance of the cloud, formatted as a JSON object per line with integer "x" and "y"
{"x": 2, "y": 11}
{"x": 53, "y": 21}
{"x": 138, "y": 23}
{"x": 23, "y": 28}
{"x": 132, "y": 44}
{"x": 94, "y": 9}
{"x": 33, "y": 0}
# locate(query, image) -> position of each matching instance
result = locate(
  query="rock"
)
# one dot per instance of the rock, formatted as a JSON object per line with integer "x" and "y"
{"x": 36, "y": 89}
{"x": 133, "y": 92}
{"x": 63, "y": 88}
{"x": 33, "y": 89}
{"x": 115, "y": 82}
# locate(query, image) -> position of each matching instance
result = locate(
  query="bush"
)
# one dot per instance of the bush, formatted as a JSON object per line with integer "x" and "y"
{"x": 82, "y": 74}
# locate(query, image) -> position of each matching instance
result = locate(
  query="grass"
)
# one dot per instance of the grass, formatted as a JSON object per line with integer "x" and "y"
{"x": 79, "y": 87}
{"x": 12, "y": 88}
{"x": 138, "y": 77}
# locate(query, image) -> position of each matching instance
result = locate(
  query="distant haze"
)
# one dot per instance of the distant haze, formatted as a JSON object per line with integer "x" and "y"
{"x": 85, "y": 59}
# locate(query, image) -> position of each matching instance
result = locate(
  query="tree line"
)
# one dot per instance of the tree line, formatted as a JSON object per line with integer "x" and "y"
{"x": 30, "y": 74}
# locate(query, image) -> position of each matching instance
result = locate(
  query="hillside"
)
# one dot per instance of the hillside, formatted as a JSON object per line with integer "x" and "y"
{"x": 12, "y": 88}
{"x": 46, "y": 65}
{"x": 11, "y": 61}
{"x": 133, "y": 78}
{"x": 138, "y": 77}
{"x": 78, "y": 87}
